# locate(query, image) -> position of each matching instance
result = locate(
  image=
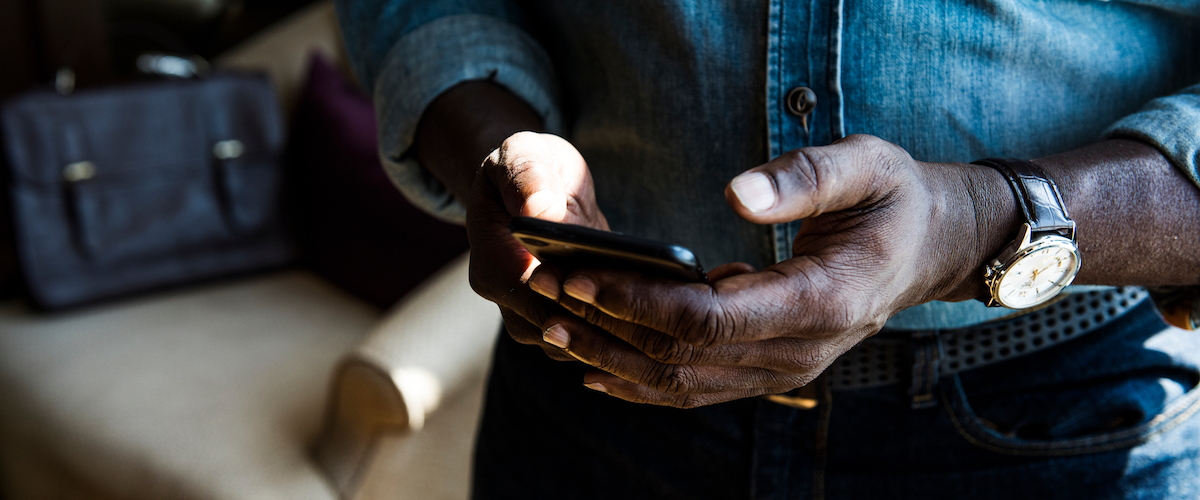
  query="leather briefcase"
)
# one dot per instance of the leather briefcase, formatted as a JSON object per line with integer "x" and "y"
{"x": 129, "y": 188}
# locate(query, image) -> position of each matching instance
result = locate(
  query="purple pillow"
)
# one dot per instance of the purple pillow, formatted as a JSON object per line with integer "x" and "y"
{"x": 353, "y": 226}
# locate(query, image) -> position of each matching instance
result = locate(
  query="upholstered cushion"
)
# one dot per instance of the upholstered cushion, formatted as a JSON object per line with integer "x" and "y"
{"x": 209, "y": 392}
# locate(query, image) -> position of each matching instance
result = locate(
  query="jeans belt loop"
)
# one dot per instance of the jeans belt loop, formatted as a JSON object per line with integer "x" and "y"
{"x": 927, "y": 355}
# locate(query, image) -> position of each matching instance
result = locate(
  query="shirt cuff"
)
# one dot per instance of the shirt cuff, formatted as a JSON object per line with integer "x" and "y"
{"x": 1171, "y": 124}
{"x": 432, "y": 59}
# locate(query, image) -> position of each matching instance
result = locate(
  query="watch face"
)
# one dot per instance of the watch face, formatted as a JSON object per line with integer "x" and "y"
{"x": 1038, "y": 273}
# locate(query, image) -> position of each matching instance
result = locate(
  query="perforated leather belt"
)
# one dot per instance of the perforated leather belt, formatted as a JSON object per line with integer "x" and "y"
{"x": 883, "y": 361}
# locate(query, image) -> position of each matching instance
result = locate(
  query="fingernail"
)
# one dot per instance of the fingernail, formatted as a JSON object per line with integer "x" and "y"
{"x": 754, "y": 190}
{"x": 557, "y": 336}
{"x": 582, "y": 288}
{"x": 597, "y": 386}
{"x": 546, "y": 285}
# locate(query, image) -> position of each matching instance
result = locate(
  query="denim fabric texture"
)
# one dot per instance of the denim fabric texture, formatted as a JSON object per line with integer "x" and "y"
{"x": 696, "y": 92}
{"x": 1113, "y": 419}
{"x": 668, "y": 100}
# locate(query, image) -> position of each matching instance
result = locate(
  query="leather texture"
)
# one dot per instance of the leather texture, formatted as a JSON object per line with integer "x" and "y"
{"x": 122, "y": 189}
{"x": 1037, "y": 195}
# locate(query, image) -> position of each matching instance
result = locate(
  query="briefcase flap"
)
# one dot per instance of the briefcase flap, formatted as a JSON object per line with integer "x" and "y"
{"x": 126, "y": 188}
{"x": 142, "y": 129}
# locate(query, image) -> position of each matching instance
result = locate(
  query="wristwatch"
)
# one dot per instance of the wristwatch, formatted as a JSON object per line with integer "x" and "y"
{"x": 1043, "y": 259}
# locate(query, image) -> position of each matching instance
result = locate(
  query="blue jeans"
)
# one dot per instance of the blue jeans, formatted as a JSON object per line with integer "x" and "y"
{"x": 1106, "y": 415}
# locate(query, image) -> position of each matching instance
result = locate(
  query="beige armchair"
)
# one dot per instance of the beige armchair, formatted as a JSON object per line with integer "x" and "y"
{"x": 405, "y": 401}
{"x": 222, "y": 390}
{"x": 274, "y": 386}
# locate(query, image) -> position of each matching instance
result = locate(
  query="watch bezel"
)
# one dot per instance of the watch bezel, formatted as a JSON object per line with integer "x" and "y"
{"x": 1021, "y": 248}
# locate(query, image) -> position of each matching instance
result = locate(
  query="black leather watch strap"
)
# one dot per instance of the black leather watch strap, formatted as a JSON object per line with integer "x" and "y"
{"x": 1037, "y": 195}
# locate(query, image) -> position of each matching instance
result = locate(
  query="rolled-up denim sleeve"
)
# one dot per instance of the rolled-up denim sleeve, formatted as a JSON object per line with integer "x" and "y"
{"x": 428, "y": 52}
{"x": 1171, "y": 124}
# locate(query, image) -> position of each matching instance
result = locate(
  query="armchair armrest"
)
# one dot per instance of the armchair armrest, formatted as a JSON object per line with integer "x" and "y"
{"x": 434, "y": 343}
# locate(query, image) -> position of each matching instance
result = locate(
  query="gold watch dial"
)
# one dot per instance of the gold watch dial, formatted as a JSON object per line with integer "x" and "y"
{"x": 1038, "y": 273}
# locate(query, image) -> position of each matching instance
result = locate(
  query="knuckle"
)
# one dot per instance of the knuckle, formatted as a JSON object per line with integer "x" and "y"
{"x": 885, "y": 156}
{"x": 532, "y": 307}
{"x": 674, "y": 379}
{"x": 706, "y": 324}
{"x": 891, "y": 158}
{"x": 886, "y": 147}
{"x": 839, "y": 318}
{"x": 583, "y": 311}
{"x": 801, "y": 166}
{"x": 839, "y": 309}
{"x": 667, "y": 350}
{"x": 636, "y": 309}
{"x": 516, "y": 156}
{"x": 593, "y": 315}
{"x": 866, "y": 142}
{"x": 476, "y": 283}
{"x": 481, "y": 286}
{"x": 851, "y": 312}
{"x": 816, "y": 160}
{"x": 519, "y": 141}
{"x": 605, "y": 358}
{"x": 813, "y": 170}
{"x": 627, "y": 305}
{"x": 804, "y": 364}
{"x": 521, "y": 331}
{"x": 497, "y": 287}
{"x": 834, "y": 309}
{"x": 862, "y": 139}
{"x": 491, "y": 162}
{"x": 705, "y": 333}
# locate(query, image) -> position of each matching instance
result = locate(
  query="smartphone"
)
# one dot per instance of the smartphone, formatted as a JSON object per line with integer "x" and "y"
{"x": 572, "y": 246}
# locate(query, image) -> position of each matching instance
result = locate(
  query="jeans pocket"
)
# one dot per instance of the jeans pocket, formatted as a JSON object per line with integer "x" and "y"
{"x": 1083, "y": 417}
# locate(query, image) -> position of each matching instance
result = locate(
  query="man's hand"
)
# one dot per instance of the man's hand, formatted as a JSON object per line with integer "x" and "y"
{"x": 534, "y": 175}
{"x": 531, "y": 174}
{"x": 881, "y": 232}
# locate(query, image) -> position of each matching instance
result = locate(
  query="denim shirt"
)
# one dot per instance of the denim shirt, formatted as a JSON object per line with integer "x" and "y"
{"x": 668, "y": 100}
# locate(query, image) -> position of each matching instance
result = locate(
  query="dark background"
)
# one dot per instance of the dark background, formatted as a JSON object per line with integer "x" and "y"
{"x": 100, "y": 40}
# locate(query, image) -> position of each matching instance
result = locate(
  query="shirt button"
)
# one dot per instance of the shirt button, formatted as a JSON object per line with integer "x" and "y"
{"x": 800, "y": 101}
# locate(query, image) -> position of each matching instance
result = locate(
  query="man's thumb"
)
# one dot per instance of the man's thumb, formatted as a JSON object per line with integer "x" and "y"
{"x": 806, "y": 183}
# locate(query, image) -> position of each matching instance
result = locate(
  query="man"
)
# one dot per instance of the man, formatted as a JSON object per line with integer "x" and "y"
{"x": 663, "y": 105}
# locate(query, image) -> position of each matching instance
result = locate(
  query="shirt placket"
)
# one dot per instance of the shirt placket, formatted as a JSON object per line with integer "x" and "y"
{"x": 804, "y": 94}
